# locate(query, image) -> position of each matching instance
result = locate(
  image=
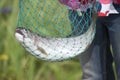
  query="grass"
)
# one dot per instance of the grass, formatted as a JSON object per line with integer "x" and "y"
{"x": 17, "y": 64}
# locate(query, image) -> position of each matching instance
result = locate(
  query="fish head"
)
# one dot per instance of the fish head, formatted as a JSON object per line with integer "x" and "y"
{"x": 20, "y": 33}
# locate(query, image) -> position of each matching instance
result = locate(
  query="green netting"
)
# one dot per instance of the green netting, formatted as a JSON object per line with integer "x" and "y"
{"x": 54, "y": 31}
{"x": 52, "y": 19}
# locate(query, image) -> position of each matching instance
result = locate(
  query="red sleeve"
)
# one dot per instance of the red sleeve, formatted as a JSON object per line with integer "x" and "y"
{"x": 84, "y": 2}
{"x": 116, "y": 1}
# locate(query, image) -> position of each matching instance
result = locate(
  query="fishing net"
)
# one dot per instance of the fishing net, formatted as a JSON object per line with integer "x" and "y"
{"x": 56, "y": 30}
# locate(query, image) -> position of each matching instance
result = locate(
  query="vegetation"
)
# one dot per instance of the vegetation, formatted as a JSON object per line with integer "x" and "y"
{"x": 17, "y": 64}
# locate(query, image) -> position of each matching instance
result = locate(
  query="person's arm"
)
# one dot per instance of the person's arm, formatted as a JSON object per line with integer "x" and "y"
{"x": 105, "y": 7}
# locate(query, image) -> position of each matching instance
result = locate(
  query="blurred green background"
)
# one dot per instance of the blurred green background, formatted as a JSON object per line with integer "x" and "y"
{"x": 17, "y": 64}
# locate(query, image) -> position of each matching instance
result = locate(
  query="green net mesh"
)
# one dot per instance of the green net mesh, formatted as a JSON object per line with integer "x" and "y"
{"x": 56, "y": 30}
